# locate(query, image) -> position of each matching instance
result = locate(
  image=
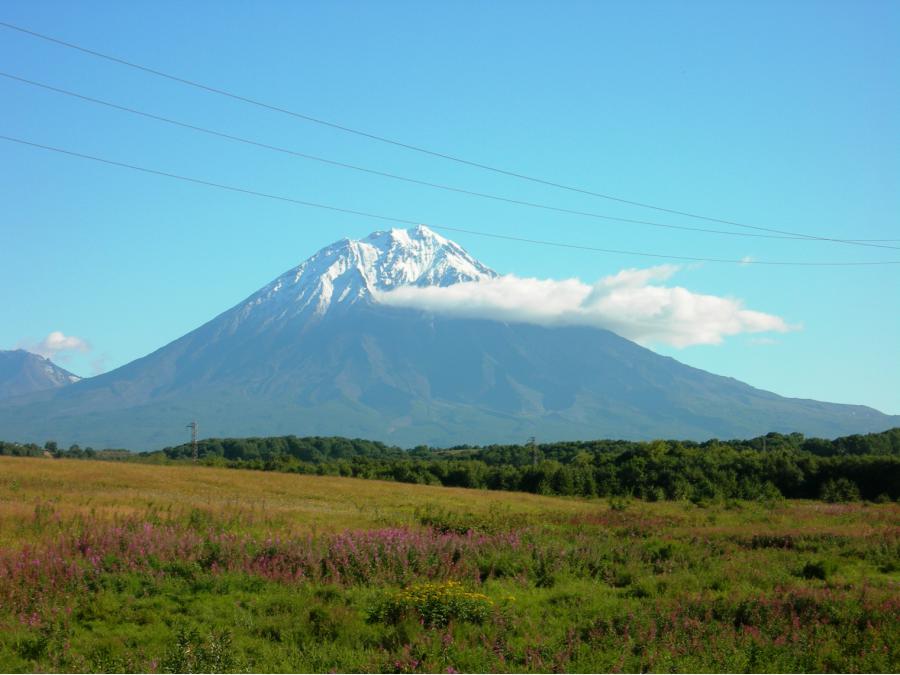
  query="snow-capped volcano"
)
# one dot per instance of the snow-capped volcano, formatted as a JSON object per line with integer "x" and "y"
{"x": 350, "y": 270}
{"x": 315, "y": 353}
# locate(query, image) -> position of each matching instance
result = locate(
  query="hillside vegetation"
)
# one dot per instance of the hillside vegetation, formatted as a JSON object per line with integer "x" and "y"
{"x": 121, "y": 566}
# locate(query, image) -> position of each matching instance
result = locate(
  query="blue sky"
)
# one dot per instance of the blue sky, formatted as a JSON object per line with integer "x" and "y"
{"x": 785, "y": 115}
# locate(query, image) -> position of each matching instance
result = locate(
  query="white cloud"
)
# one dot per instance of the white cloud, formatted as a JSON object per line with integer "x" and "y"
{"x": 631, "y": 303}
{"x": 56, "y": 343}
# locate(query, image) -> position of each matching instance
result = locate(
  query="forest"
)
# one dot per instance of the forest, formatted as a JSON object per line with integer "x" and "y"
{"x": 772, "y": 466}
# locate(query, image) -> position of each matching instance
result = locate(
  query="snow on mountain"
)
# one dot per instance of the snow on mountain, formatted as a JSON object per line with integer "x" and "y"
{"x": 22, "y": 372}
{"x": 348, "y": 271}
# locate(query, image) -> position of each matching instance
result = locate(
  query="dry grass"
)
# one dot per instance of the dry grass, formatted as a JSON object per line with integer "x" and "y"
{"x": 58, "y": 491}
{"x": 288, "y": 503}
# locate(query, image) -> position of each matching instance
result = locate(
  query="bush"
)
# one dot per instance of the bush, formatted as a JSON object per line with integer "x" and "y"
{"x": 818, "y": 569}
{"x": 436, "y": 604}
{"x": 840, "y": 490}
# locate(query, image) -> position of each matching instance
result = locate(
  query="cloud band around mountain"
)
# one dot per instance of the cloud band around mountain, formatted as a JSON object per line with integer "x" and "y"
{"x": 631, "y": 303}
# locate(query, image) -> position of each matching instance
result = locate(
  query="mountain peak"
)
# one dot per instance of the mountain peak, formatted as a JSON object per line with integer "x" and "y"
{"x": 407, "y": 236}
{"x": 22, "y": 372}
{"x": 350, "y": 270}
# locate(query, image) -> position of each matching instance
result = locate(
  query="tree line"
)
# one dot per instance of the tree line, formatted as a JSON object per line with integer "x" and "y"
{"x": 776, "y": 465}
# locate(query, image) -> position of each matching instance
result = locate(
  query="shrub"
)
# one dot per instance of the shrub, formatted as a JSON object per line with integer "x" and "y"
{"x": 436, "y": 604}
{"x": 840, "y": 490}
{"x": 818, "y": 569}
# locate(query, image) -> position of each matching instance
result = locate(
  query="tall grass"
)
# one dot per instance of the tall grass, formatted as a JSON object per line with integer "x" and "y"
{"x": 196, "y": 571}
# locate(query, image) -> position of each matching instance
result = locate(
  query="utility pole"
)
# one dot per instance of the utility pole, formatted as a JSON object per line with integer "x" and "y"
{"x": 531, "y": 442}
{"x": 193, "y": 427}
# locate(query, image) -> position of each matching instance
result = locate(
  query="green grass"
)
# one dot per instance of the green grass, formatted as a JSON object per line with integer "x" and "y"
{"x": 181, "y": 569}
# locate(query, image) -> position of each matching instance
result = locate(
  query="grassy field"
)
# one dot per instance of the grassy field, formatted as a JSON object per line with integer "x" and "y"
{"x": 127, "y": 567}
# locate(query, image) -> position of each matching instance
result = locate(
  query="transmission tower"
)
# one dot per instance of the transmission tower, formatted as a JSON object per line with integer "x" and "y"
{"x": 193, "y": 427}
{"x": 533, "y": 445}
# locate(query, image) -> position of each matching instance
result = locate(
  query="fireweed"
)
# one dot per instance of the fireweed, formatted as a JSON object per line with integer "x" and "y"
{"x": 34, "y": 575}
{"x": 638, "y": 589}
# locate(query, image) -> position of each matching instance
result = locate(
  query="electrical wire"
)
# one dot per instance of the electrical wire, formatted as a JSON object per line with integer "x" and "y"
{"x": 406, "y": 221}
{"x": 393, "y": 176}
{"x": 415, "y": 148}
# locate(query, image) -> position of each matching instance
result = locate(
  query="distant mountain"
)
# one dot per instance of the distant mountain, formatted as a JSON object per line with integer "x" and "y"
{"x": 313, "y": 353}
{"x": 22, "y": 372}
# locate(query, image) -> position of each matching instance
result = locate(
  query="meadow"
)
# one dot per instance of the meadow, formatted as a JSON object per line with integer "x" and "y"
{"x": 112, "y": 566}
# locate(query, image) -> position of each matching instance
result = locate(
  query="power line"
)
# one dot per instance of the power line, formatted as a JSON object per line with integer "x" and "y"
{"x": 409, "y": 146}
{"x": 407, "y": 179}
{"x": 200, "y": 181}
{"x": 448, "y": 228}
